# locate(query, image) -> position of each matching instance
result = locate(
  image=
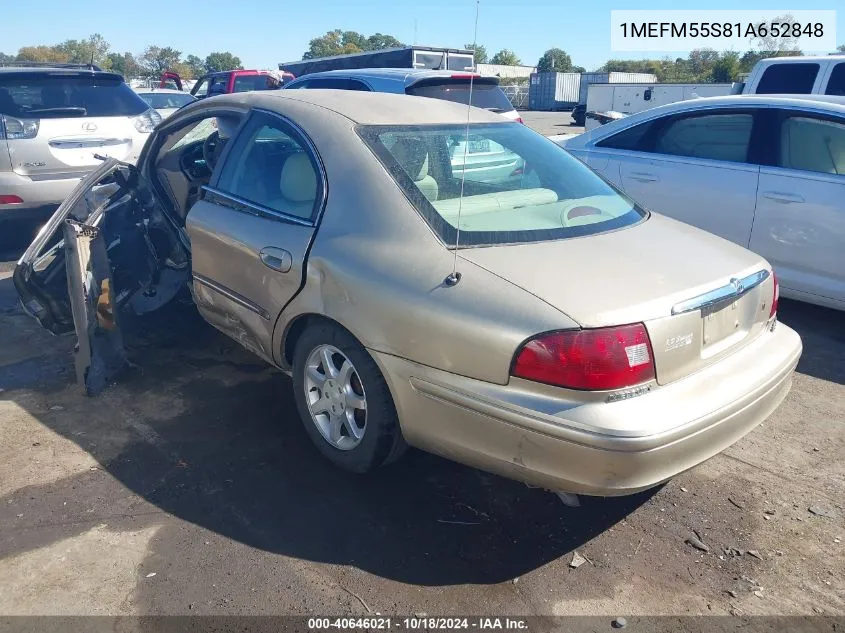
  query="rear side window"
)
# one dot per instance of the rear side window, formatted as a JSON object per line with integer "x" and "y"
{"x": 711, "y": 136}
{"x": 44, "y": 96}
{"x": 812, "y": 144}
{"x": 219, "y": 85}
{"x": 485, "y": 94}
{"x": 836, "y": 83}
{"x": 245, "y": 83}
{"x": 632, "y": 139}
{"x": 788, "y": 78}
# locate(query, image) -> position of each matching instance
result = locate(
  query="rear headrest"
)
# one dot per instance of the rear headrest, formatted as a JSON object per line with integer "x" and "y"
{"x": 412, "y": 156}
{"x": 298, "y": 182}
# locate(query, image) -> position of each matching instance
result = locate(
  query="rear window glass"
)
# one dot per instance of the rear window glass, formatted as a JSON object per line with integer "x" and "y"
{"x": 517, "y": 186}
{"x": 460, "y": 62}
{"x": 788, "y": 79}
{"x": 54, "y": 97}
{"x": 165, "y": 100}
{"x": 245, "y": 83}
{"x": 484, "y": 94}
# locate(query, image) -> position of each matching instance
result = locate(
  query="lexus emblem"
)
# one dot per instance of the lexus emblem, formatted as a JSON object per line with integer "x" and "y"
{"x": 737, "y": 284}
{"x": 89, "y": 127}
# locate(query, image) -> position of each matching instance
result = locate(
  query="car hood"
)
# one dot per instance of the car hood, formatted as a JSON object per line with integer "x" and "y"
{"x": 628, "y": 275}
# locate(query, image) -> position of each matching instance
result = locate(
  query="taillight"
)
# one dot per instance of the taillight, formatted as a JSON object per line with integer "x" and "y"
{"x": 13, "y": 129}
{"x": 519, "y": 120}
{"x": 594, "y": 359}
{"x": 9, "y": 199}
{"x": 147, "y": 121}
{"x": 775, "y": 295}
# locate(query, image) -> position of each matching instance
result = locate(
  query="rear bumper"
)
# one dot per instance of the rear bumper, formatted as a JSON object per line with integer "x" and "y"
{"x": 37, "y": 195}
{"x": 593, "y": 448}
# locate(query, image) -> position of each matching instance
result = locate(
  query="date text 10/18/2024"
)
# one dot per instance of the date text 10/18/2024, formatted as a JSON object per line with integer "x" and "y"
{"x": 418, "y": 623}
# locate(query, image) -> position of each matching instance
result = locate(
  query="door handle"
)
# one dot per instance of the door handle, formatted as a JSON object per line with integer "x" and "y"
{"x": 644, "y": 177}
{"x": 783, "y": 198}
{"x": 276, "y": 258}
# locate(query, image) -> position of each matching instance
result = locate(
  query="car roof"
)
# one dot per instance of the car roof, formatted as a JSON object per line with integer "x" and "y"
{"x": 405, "y": 75}
{"x": 55, "y": 70}
{"x": 160, "y": 90}
{"x": 366, "y": 108}
{"x": 797, "y": 59}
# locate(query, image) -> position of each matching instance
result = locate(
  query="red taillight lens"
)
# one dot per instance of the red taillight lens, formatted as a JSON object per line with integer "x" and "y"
{"x": 775, "y": 295}
{"x": 519, "y": 120}
{"x": 10, "y": 199}
{"x": 597, "y": 359}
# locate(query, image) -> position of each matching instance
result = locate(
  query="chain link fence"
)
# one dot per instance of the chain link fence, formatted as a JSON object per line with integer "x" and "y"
{"x": 517, "y": 94}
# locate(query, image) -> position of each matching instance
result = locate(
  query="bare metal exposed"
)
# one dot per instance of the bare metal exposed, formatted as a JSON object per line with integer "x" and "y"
{"x": 576, "y": 341}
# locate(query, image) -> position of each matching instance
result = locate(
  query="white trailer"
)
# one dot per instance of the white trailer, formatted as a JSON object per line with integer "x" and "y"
{"x": 630, "y": 98}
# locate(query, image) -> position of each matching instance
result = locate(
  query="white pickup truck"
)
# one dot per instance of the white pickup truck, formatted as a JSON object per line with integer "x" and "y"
{"x": 776, "y": 75}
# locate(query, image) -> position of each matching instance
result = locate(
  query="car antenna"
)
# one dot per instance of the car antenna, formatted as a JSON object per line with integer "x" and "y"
{"x": 455, "y": 276}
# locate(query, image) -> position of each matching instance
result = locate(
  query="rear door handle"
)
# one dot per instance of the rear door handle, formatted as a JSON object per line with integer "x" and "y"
{"x": 783, "y": 198}
{"x": 644, "y": 177}
{"x": 276, "y": 258}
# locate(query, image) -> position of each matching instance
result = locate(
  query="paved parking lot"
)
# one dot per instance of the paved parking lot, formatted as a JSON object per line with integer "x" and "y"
{"x": 550, "y": 123}
{"x": 189, "y": 487}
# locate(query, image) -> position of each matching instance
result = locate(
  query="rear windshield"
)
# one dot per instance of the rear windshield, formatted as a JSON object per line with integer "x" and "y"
{"x": 485, "y": 94}
{"x": 60, "y": 96}
{"x": 788, "y": 78}
{"x": 165, "y": 100}
{"x": 517, "y": 185}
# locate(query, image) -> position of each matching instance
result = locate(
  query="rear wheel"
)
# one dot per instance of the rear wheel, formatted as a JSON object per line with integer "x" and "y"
{"x": 343, "y": 400}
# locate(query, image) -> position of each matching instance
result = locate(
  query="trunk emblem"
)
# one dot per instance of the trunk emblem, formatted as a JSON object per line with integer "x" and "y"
{"x": 738, "y": 285}
{"x": 89, "y": 127}
{"x": 676, "y": 342}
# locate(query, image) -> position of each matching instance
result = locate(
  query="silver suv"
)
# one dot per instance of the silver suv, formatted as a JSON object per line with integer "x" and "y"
{"x": 54, "y": 124}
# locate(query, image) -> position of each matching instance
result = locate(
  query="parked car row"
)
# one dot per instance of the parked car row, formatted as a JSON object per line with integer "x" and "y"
{"x": 430, "y": 274}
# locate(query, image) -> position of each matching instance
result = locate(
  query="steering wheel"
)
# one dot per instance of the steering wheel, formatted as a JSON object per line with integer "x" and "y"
{"x": 209, "y": 149}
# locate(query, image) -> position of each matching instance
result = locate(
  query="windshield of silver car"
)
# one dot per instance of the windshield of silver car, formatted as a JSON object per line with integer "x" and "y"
{"x": 517, "y": 185}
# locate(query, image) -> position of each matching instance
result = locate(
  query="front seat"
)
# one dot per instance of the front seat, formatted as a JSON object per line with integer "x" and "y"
{"x": 412, "y": 156}
{"x": 297, "y": 186}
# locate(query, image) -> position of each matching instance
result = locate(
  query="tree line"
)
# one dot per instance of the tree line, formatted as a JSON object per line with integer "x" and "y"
{"x": 150, "y": 63}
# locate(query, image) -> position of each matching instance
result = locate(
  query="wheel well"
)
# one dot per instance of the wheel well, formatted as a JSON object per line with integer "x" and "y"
{"x": 296, "y": 329}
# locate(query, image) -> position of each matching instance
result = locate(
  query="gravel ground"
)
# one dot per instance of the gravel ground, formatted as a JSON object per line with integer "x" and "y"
{"x": 189, "y": 487}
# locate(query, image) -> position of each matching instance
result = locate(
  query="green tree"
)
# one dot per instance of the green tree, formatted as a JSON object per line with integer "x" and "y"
{"x": 216, "y": 62}
{"x": 124, "y": 64}
{"x": 479, "y": 52}
{"x": 556, "y": 60}
{"x": 155, "y": 60}
{"x": 507, "y": 57}
{"x": 196, "y": 65}
{"x": 6, "y": 59}
{"x": 725, "y": 69}
{"x": 41, "y": 54}
{"x": 93, "y": 49}
{"x": 840, "y": 48}
{"x": 380, "y": 41}
{"x": 765, "y": 41}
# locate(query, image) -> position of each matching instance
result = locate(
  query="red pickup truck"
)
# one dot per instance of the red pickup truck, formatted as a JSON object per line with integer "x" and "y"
{"x": 228, "y": 81}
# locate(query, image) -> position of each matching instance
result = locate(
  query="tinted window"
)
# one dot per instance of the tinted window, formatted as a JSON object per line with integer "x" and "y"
{"x": 485, "y": 94}
{"x": 165, "y": 100}
{"x": 245, "y": 83}
{"x": 787, "y": 78}
{"x": 335, "y": 83}
{"x": 52, "y": 97}
{"x": 219, "y": 85}
{"x": 270, "y": 167}
{"x": 435, "y": 61}
{"x": 836, "y": 83}
{"x": 631, "y": 139}
{"x": 712, "y": 136}
{"x": 813, "y": 145}
{"x": 517, "y": 186}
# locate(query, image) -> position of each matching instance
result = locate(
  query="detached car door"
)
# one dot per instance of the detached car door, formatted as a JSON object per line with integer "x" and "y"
{"x": 251, "y": 232}
{"x": 695, "y": 167}
{"x": 800, "y": 223}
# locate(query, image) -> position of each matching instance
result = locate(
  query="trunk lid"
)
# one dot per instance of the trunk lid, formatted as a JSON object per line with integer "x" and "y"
{"x": 676, "y": 279}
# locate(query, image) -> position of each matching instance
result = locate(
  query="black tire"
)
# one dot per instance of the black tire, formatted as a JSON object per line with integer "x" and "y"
{"x": 382, "y": 441}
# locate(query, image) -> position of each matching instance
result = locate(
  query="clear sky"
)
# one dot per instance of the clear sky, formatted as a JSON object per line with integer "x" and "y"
{"x": 265, "y": 32}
